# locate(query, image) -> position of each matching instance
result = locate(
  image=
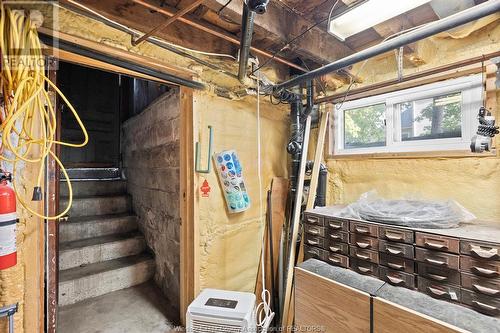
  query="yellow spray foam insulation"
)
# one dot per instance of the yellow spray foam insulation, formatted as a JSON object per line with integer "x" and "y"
{"x": 25, "y": 101}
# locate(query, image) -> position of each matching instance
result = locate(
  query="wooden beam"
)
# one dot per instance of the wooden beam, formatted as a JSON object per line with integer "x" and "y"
{"x": 189, "y": 273}
{"x": 282, "y": 25}
{"x": 141, "y": 19}
{"x": 121, "y": 54}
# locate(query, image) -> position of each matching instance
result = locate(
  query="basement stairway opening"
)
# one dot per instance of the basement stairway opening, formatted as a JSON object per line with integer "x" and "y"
{"x": 118, "y": 252}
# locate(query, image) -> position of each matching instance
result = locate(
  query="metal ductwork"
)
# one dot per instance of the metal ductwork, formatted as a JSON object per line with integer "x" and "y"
{"x": 450, "y": 22}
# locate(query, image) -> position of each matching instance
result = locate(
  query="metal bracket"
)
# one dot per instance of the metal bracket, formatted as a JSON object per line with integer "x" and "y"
{"x": 197, "y": 162}
{"x": 9, "y": 312}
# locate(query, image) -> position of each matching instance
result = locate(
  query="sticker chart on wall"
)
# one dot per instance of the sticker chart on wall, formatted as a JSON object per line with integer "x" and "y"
{"x": 230, "y": 175}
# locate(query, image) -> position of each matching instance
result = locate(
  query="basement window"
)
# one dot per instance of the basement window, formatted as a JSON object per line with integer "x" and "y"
{"x": 434, "y": 117}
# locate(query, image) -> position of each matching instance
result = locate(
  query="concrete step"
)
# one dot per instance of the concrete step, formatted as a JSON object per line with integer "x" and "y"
{"x": 97, "y": 205}
{"x": 80, "y": 283}
{"x": 93, "y": 250}
{"x": 77, "y": 228}
{"x": 88, "y": 188}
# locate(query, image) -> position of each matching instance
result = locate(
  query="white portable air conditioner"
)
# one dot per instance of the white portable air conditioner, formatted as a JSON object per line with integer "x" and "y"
{"x": 220, "y": 311}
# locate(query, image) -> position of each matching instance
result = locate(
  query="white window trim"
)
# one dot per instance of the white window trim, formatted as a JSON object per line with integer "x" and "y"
{"x": 471, "y": 89}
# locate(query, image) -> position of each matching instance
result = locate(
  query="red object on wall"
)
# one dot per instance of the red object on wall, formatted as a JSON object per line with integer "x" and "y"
{"x": 8, "y": 221}
{"x": 205, "y": 189}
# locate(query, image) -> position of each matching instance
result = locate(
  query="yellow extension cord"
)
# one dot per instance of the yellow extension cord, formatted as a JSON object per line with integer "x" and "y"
{"x": 26, "y": 101}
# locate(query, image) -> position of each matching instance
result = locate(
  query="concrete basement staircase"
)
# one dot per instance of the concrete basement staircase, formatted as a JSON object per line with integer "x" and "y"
{"x": 100, "y": 248}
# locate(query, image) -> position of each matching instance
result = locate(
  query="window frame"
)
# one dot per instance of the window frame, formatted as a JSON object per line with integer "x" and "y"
{"x": 471, "y": 88}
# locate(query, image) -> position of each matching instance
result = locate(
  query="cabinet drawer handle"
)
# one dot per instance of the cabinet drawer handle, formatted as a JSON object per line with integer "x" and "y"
{"x": 436, "y": 262}
{"x": 435, "y": 246}
{"x": 394, "y": 236}
{"x": 437, "y": 292}
{"x": 313, "y": 253}
{"x": 335, "y": 226}
{"x": 436, "y": 277}
{"x": 396, "y": 281}
{"x": 364, "y": 269}
{"x": 312, "y": 220}
{"x": 485, "y": 290}
{"x": 395, "y": 266}
{"x": 363, "y": 245}
{"x": 313, "y": 231}
{"x": 393, "y": 251}
{"x": 484, "y": 271}
{"x": 485, "y": 307}
{"x": 334, "y": 249}
{"x": 335, "y": 236}
{"x": 335, "y": 260}
{"x": 362, "y": 257}
{"x": 312, "y": 242}
{"x": 362, "y": 230}
{"x": 485, "y": 254}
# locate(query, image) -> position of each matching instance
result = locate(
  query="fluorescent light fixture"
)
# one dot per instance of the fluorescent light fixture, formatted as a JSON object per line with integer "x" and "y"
{"x": 368, "y": 14}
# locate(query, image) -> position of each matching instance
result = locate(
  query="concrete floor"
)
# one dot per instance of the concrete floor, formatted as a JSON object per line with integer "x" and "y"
{"x": 139, "y": 309}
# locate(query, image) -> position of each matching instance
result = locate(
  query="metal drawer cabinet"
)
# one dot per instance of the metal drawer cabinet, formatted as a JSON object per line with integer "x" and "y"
{"x": 364, "y": 267}
{"x": 485, "y": 286}
{"x": 437, "y": 242}
{"x": 338, "y": 247}
{"x": 439, "y": 290}
{"x": 362, "y": 228}
{"x": 480, "y": 267}
{"x": 314, "y": 219}
{"x": 314, "y": 230}
{"x": 396, "y": 235}
{"x": 485, "y": 304}
{"x": 362, "y": 254}
{"x": 315, "y": 241}
{"x": 338, "y": 236}
{"x": 337, "y": 224}
{"x": 436, "y": 258}
{"x": 337, "y": 260}
{"x": 311, "y": 252}
{"x": 396, "y": 249}
{"x": 397, "y": 263}
{"x": 438, "y": 274}
{"x": 396, "y": 278}
{"x": 364, "y": 242}
{"x": 481, "y": 250}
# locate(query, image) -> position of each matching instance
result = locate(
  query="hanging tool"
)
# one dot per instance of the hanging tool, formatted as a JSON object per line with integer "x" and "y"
{"x": 198, "y": 149}
{"x": 9, "y": 312}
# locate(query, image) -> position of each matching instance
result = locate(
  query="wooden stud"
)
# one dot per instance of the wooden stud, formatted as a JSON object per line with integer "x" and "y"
{"x": 52, "y": 235}
{"x": 189, "y": 230}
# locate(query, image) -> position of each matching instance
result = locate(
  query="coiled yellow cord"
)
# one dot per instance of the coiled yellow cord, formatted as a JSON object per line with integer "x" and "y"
{"x": 26, "y": 102}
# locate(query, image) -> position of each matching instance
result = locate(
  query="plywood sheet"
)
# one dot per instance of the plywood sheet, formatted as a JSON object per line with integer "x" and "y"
{"x": 322, "y": 305}
{"x": 389, "y": 317}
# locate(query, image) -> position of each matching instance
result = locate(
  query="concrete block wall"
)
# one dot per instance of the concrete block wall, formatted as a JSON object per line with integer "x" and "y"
{"x": 150, "y": 151}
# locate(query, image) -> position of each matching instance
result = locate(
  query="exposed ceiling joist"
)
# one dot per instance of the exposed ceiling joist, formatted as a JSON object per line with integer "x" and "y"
{"x": 136, "y": 17}
{"x": 282, "y": 25}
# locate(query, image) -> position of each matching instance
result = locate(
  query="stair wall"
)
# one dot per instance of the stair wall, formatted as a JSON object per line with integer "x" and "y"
{"x": 150, "y": 148}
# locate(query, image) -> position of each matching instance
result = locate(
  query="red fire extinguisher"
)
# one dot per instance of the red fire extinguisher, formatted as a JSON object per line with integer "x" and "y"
{"x": 8, "y": 221}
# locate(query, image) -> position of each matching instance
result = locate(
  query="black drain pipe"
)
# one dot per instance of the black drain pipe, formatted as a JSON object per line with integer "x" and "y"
{"x": 450, "y": 22}
{"x": 250, "y": 8}
{"x": 294, "y": 147}
{"x": 247, "y": 22}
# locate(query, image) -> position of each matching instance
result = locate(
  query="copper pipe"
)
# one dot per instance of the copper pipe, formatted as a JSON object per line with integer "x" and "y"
{"x": 168, "y": 22}
{"x": 216, "y": 33}
{"x": 411, "y": 77}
